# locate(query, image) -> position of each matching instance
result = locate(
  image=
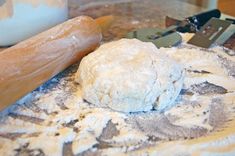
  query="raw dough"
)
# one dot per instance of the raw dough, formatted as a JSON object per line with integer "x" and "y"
{"x": 130, "y": 76}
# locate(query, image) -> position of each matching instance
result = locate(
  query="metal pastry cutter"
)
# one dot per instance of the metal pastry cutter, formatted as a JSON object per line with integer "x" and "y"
{"x": 160, "y": 37}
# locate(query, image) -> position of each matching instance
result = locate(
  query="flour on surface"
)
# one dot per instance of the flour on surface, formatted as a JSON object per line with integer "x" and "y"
{"x": 53, "y": 119}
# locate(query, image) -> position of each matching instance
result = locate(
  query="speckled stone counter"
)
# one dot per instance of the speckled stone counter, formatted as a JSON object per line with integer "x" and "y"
{"x": 132, "y": 14}
{"x": 55, "y": 120}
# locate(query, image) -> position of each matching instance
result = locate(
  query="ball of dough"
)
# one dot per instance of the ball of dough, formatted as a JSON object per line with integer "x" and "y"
{"x": 129, "y": 75}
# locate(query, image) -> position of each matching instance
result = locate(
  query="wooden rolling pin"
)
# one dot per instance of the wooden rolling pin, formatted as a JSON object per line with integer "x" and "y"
{"x": 32, "y": 62}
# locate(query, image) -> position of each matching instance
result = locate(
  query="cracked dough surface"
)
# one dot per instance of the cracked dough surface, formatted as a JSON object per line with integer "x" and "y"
{"x": 130, "y": 76}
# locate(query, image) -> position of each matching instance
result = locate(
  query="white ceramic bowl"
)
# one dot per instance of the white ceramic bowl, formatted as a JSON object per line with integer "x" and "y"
{"x": 21, "y": 19}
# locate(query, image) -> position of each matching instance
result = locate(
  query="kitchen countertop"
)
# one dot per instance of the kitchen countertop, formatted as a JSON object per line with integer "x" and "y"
{"x": 134, "y": 14}
{"x": 55, "y": 120}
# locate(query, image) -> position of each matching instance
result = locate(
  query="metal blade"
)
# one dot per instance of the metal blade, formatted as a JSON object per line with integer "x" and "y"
{"x": 230, "y": 44}
{"x": 159, "y": 37}
{"x": 192, "y": 23}
{"x": 209, "y": 33}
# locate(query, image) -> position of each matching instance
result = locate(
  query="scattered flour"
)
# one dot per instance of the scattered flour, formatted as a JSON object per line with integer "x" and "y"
{"x": 55, "y": 120}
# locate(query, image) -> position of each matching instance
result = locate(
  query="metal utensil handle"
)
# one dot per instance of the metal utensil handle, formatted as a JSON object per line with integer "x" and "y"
{"x": 201, "y": 19}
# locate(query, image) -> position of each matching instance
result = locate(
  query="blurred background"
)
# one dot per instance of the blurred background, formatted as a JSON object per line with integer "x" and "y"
{"x": 226, "y": 6}
{"x": 45, "y": 16}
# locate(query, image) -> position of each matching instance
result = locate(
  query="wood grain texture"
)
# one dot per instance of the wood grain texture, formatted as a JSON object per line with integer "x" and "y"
{"x": 32, "y": 62}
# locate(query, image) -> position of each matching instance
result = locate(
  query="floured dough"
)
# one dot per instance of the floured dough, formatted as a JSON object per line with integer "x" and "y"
{"x": 130, "y": 76}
